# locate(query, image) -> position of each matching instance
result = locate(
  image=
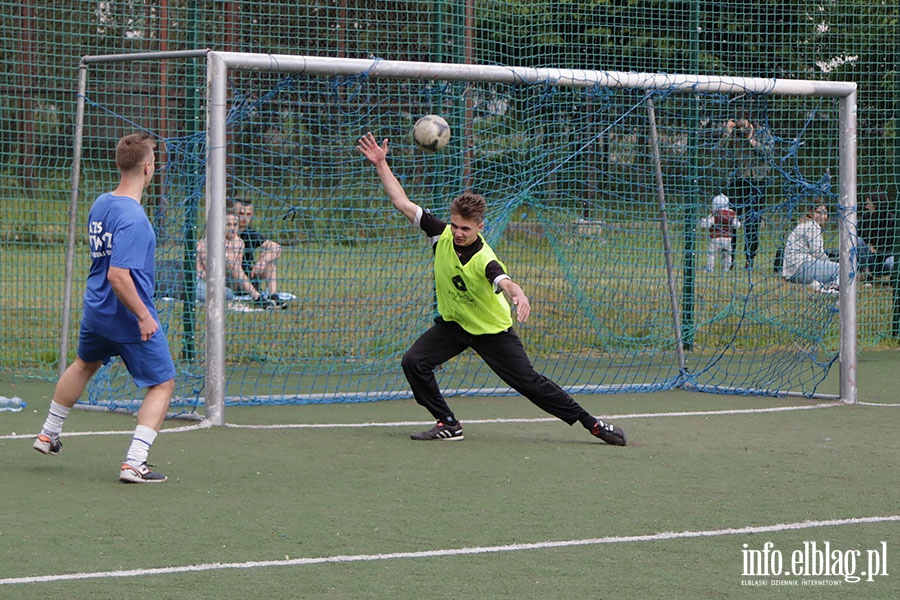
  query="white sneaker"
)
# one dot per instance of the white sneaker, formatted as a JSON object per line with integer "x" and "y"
{"x": 141, "y": 474}
{"x": 47, "y": 445}
{"x": 823, "y": 288}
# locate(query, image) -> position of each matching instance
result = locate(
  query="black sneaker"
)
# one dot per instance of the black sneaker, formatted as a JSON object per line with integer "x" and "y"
{"x": 278, "y": 302}
{"x": 264, "y": 302}
{"x": 142, "y": 474}
{"x": 609, "y": 433}
{"x": 46, "y": 445}
{"x": 440, "y": 432}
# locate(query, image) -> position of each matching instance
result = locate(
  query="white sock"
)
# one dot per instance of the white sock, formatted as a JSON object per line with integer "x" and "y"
{"x": 140, "y": 445}
{"x": 56, "y": 417}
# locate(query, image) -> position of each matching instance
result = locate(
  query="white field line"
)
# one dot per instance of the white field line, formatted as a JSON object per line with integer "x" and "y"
{"x": 450, "y": 551}
{"x": 708, "y": 413}
{"x": 292, "y": 562}
{"x": 72, "y": 434}
{"x": 657, "y": 415}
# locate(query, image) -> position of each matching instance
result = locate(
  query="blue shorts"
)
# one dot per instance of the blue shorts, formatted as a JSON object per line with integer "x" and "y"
{"x": 149, "y": 363}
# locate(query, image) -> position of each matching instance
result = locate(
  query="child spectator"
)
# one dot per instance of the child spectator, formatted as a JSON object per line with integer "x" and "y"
{"x": 722, "y": 224}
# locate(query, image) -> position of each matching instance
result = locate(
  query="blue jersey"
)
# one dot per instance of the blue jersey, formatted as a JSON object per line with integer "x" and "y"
{"x": 120, "y": 235}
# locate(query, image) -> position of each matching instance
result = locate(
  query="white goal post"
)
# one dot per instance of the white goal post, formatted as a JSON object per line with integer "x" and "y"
{"x": 219, "y": 64}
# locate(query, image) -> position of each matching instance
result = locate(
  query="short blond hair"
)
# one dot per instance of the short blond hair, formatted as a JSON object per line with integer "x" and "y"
{"x": 134, "y": 150}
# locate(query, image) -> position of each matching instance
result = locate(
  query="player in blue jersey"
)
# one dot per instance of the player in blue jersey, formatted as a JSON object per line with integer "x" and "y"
{"x": 474, "y": 294}
{"x": 119, "y": 318}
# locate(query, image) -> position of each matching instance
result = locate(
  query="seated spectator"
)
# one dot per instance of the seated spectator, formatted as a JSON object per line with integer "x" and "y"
{"x": 234, "y": 254}
{"x": 262, "y": 270}
{"x": 875, "y": 231}
{"x": 805, "y": 260}
{"x": 722, "y": 224}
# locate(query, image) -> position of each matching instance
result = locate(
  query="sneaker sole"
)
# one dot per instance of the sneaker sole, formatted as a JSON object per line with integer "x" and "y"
{"x": 618, "y": 440}
{"x": 132, "y": 476}
{"x": 45, "y": 447}
{"x": 139, "y": 479}
{"x": 438, "y": 439}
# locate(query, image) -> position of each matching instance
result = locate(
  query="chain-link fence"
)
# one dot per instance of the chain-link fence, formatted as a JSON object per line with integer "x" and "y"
{"x": 845, "y": 40}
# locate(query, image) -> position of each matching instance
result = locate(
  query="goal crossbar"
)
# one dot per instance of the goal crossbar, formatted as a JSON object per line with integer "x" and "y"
{"x": 396, "y": 69}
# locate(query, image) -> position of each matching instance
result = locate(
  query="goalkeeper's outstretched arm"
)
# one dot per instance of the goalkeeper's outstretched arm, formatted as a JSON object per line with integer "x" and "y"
{"x": 516, "y": 298}
{"x": 377, "y": 155}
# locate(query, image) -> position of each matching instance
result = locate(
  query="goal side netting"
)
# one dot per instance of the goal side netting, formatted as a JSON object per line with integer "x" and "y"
{"x": 597, "y": 184}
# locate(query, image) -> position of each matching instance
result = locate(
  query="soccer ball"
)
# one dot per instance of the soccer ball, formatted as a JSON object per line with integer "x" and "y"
{"x": 431, "y": 133}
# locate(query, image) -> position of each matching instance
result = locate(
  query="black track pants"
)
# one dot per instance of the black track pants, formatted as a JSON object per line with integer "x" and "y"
{"x": 504, "y": 354}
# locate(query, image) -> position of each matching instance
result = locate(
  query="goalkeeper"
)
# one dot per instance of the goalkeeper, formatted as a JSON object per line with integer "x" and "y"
{"x": 473, "y": 313}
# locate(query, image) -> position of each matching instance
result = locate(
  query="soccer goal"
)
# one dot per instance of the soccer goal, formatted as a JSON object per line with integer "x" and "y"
{"x": 597, "y": 185}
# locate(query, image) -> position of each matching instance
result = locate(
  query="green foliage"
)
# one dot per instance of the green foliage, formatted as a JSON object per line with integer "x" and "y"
{"x": 297, "y": 156}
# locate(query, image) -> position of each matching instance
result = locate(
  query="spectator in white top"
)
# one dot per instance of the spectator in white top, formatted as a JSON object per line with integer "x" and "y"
{"x": 805, "y": 259}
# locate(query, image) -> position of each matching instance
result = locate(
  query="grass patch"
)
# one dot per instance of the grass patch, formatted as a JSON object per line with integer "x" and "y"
{"x": 239, "y": 495}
